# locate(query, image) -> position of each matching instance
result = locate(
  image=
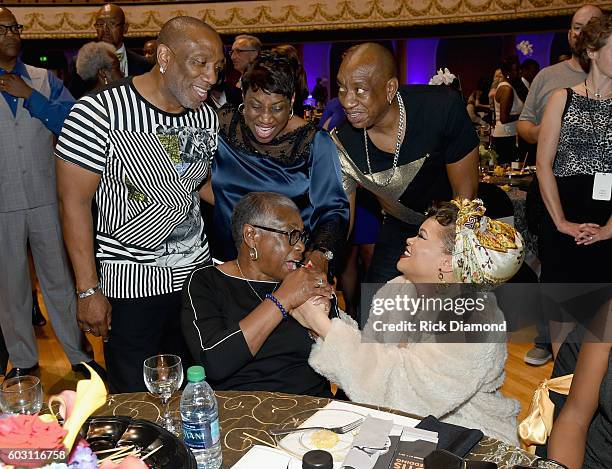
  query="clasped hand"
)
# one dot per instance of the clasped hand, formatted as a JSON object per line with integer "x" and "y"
{"x": 586, "y": 233}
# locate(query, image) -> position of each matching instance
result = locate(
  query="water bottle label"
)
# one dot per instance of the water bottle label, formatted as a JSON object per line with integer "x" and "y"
{"x": 202, "y": 435}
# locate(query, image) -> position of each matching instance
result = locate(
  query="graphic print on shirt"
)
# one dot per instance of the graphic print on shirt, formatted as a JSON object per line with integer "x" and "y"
{"x": 186, "y": 145}
{"x": 160, "y": 199}
{"x": 183, "y": 245}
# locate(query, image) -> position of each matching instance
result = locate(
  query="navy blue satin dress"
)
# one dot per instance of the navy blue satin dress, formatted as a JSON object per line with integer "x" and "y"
{"x": 313, "y": 181}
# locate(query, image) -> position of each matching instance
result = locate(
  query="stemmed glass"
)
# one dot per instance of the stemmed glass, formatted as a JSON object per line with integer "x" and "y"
{"x": 21, "y": 395}
{"x": 163, "y": 375}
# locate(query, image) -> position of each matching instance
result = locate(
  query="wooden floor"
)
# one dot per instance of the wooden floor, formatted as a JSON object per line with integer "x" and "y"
{"x": 56, "y": 374}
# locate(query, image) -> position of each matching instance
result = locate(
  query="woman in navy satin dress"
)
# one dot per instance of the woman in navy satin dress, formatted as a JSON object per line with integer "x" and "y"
{"x": 264, "y": 147}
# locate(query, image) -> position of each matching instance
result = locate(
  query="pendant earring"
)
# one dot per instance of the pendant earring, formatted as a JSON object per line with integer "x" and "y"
{"x": 253, "y": 253}
{"x": 162, "y": 70}
{"x": 105, "y": 81}
{"x": 443, "y": 285}
{"x": 291, "y": 115}
{"x": 241, "y": 108}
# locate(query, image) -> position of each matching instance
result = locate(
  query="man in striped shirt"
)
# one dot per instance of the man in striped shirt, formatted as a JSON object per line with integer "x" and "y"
{"x": 140, "y": 149}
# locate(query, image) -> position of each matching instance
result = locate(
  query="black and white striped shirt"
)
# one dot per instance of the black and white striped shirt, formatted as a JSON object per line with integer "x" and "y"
{"x": 150, "y": 230}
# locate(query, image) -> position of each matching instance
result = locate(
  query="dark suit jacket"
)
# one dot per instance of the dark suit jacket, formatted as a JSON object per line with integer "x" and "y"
{"x": 137, "y": 65}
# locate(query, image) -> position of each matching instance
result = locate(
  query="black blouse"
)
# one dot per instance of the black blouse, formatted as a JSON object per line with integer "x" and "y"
{"x": 213, "y": 305}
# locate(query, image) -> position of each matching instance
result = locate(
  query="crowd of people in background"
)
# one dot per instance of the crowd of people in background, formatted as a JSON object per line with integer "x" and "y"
{"x": 125, "y": 183}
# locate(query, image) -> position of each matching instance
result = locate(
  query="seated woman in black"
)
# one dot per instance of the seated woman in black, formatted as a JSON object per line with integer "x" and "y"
{"x": 235, "y": 315}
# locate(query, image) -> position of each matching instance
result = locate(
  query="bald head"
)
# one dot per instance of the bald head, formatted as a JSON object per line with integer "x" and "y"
{"x": 582, "y": 16}
{"x": 110, "y": 25}
{"x": 111, "y": 9}
{"x": 10, "y": 43}
{"x": 373, "y": 55}
{"x": 176, "y": 30}
{"x": 586, "y": 12}
{"x": 6, "y": 11}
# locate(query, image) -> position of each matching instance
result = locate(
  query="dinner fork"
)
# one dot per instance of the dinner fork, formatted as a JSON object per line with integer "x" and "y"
{"x": 340, "y": 430}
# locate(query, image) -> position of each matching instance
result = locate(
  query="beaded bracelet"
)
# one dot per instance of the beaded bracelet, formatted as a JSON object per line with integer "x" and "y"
{"x": 272, "y": 298}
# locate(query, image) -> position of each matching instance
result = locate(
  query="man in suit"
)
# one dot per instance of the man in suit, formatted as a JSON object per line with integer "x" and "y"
{"x": 33, "y": 106}
{"x": 111, "y": 27}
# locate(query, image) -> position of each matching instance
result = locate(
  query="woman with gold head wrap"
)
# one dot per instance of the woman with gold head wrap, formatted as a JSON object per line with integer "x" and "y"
{"x": 458, "y": 381}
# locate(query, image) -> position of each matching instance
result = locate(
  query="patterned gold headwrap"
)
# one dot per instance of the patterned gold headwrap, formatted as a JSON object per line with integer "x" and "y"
{"x": 486, "y": 251}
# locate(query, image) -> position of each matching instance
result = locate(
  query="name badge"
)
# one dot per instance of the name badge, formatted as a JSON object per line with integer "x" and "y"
{"x": 602, "y": 186}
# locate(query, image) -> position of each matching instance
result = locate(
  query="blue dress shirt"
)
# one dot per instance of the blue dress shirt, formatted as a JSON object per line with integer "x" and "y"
{"x": 52, "y": 111}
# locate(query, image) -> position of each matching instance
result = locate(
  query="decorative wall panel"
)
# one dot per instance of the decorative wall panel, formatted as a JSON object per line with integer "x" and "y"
{"x": 76, "y": 20}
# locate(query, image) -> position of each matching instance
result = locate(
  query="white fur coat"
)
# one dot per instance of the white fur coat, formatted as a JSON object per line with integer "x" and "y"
{"x": 456, "y": 382}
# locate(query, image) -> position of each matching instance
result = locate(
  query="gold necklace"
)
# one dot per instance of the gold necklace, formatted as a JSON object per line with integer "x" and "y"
{"x": 398, "y": 144}
{"x": 249, "y": 283}
{"x": 596, "y": 94}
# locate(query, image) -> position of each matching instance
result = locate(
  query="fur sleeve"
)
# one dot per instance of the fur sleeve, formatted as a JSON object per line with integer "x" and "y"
{"x": 423, "y": 379}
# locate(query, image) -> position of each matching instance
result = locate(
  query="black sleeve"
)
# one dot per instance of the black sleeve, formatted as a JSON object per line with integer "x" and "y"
{"x": 213, "y": 340}
{"x": 460, "y": 134}
{"x": 137, "y": 64}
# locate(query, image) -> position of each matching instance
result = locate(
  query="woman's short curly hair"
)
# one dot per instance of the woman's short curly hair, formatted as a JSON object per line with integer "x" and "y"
{"x": 257, "y": 208}
{"x": 93, "y": 57}
{"x": 272, "y": 73}
{"x": 593, "y": 36}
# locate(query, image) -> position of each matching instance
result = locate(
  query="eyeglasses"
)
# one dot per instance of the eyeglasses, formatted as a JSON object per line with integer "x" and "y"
{"x": 240, "y": 51}
{"x": 294, "y": 235}
{"x": 108, "y": 24}
{"x": 14, "y": 28}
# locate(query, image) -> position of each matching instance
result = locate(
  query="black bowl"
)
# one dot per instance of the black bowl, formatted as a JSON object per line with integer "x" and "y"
{"x": 110, "y": 432}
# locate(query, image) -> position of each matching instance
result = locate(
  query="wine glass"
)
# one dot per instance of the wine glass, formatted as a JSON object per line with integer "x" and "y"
{"x": 21, "y": 395}
{"x": 163, "y": 375}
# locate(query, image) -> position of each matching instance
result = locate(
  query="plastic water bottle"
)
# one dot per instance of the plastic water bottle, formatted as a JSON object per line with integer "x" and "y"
{"x": 200, "y": 416}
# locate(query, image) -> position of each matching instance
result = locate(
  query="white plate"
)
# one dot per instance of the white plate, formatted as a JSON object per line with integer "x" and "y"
{"x": 300, "y": 443}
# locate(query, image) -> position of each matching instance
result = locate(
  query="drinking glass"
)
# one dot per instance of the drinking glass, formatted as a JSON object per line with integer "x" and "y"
{"x": 163, "y": 375}
{"x": 21, "y": 395}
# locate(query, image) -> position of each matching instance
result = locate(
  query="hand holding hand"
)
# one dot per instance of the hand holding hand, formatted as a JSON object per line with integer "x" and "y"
{"x": 302, "y": 284}
{"x": 317, "y": 260}
{"x": 15, "y": 86}
{"x": 314, "y": 315}
{"x": 570, "y": 229}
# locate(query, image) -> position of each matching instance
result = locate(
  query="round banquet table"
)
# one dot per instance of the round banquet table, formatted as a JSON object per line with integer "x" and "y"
{"x": 256, "y": 412}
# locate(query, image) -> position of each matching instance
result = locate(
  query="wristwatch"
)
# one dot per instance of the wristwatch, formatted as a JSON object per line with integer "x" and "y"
{"x": 326, "y": 252}
{"x": 88, "y": 292}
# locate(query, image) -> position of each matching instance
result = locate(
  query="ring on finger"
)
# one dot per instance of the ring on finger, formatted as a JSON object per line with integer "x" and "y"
{"x": 591, "y": 238}
{"x": 319, "y": 283}
{"x": 87, "y": 330}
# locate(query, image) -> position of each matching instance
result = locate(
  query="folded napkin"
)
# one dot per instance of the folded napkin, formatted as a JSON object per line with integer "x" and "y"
{"x": 270, "y": 458}
{"x": 453, "y": 438}
{"x": 441, "y": 459}
{"x": 372, "y": 440}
